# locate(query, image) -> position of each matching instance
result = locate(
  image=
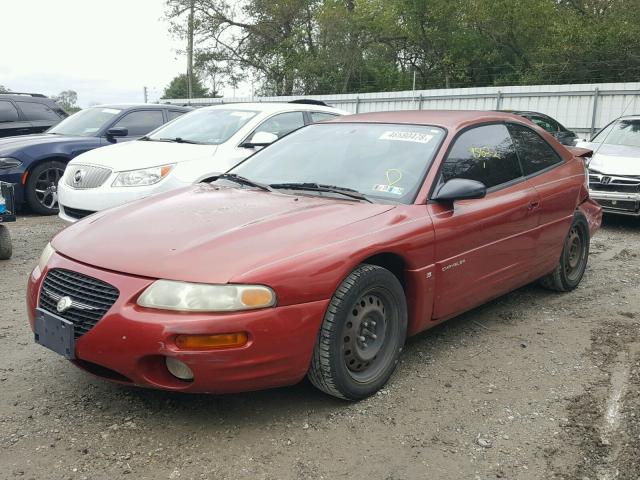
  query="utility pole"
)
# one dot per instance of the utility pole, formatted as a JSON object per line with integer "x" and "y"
{"x": 144, "y": 90}
{"x": 190, "y": 52}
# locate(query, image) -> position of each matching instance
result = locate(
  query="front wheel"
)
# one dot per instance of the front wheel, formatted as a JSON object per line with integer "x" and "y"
{"x": 41, "y": 190}
{"x": 362, "y": 334}
{"x": 573, "y": 260}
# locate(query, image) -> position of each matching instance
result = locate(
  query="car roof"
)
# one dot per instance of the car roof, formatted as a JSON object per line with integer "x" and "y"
{"x": 630, "y": 117}
{"x": 21, "y": 97}
{"x": 449, "y": 119}
{"x": 151, "y": 106}
{"x": 270, "y": 107}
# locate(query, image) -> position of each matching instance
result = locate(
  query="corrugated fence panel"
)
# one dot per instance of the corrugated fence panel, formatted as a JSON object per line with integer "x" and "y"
{"x": 571, "y": 105}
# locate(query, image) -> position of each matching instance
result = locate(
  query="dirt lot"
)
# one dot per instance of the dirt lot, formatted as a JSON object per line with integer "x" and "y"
{"x": 534, "y": 385}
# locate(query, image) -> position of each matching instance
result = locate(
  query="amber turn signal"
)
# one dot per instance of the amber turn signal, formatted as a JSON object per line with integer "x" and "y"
{"x": 211, "y": 342}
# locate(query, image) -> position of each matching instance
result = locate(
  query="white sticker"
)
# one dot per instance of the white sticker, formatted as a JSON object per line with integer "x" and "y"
{"x": 242, "y": 114}
{"x": 112, "y": 111}
{"x": 91, "y": 130}
{"x": 417, "y": 137}
{"x": 388, "y": 189}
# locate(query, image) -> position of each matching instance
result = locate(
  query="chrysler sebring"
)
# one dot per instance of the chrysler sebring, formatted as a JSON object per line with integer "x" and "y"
{"x": 318, "y": 255}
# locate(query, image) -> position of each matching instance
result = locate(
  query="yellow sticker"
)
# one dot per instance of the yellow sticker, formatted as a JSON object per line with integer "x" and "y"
{"x": 393, "y": 176}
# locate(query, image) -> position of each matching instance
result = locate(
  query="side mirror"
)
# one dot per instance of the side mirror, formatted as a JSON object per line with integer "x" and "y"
{"x": 460, "y": 189}
{"x": 117, "y": 132}
{"x": 260, "y": 139}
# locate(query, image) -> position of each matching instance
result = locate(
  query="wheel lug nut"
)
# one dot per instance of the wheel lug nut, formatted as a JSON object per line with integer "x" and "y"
{"x": 362, "y": 339}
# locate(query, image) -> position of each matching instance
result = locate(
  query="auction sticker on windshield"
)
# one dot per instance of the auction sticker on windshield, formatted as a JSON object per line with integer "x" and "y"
{"x": 112, "y": 111}
{"x": 417, "y": 137}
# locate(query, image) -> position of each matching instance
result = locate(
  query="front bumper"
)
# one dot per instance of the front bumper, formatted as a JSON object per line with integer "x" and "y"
{"x": 130, "y": 343}
{"x": 91, "y": 200}
{"x": 614, "y": 202}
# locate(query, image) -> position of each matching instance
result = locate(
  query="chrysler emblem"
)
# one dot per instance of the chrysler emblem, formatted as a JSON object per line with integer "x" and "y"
{"x": 64, "y": 304}
{"x": 78, "y": 176}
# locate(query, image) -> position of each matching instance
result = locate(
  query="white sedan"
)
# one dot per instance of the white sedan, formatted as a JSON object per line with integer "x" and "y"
{"x": 190, "y": 149}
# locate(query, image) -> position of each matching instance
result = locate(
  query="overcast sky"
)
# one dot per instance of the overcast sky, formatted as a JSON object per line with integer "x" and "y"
{"x": 105, "y": 51}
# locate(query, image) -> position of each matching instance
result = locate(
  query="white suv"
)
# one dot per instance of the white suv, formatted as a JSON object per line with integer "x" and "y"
{"x": 196, "y": 146}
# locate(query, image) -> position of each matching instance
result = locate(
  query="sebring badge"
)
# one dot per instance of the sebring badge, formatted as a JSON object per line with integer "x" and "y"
{"x": 64, "y": 304}
{"x": 78, "y": 176}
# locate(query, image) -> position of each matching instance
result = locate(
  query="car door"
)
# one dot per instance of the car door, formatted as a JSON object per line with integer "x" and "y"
{"x": 279, "y": 124}
{"x": 550, "y": 175}
{"x": 138, "y": 123}
{"x": 11, "y": 122}
{"x": 484, "y": 247}
{"x": 40, "y": 115}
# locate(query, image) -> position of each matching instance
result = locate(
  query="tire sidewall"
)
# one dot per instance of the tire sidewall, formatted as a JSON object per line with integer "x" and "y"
{"x": 580, "y": 221}
{"x": 345, "y": 383}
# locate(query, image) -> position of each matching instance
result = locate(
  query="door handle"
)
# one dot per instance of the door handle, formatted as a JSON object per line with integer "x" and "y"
{"x": 533, "y": 205}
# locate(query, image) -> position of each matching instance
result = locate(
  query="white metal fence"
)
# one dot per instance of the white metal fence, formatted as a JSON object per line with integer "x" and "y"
{"x": 583, "y": 108}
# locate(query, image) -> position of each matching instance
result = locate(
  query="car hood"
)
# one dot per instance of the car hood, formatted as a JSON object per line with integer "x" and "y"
{"x": 143, "y": 154}
{"x": 10, "y": 145}
{"x": 204, "y": 233}
{"x": 614, "y": 159}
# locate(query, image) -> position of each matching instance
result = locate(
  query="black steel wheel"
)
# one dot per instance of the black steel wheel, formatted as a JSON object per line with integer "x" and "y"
{"x": 573, "y": 260}
{"x": 362, "y": 334}
{"x": 42, "y": 187}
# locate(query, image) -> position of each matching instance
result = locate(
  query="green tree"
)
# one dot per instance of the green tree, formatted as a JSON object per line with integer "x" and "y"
{"x": 4, "y": 89}
{"x": 68, "y": 100}
{"x": 178, "y": 88}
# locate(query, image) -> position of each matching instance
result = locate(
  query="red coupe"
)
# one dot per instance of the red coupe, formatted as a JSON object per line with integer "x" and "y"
{"x": 318, "y": 255}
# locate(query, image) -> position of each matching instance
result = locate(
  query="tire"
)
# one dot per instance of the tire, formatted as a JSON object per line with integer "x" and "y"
{"x": 368, "y": 305}
{"x": 41, "y": 190}
{"x": 5, "y": 243}
{"x": 573, "y": 260}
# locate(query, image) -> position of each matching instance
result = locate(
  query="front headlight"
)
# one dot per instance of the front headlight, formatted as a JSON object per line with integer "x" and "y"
{"x": 144, "y": 176}
{"x": 202, "y": 297}
{"x": 45, "y": 256}
{"x": 8, "y": 162}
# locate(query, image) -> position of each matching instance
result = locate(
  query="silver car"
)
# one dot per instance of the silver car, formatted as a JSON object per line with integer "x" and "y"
{"x": 614, "y": 170}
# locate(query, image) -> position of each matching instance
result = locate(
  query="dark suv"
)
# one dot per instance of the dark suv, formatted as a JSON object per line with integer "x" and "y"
{"x": 35, "y": 163}
{"x": 25, "y": 113}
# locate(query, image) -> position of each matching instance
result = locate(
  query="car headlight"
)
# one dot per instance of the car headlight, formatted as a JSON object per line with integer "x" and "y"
{"x": 45, "y": 256}
{"x": 202, "y": 297}
{"x": 144, "y": 176}
{"x": 8, "y": 162}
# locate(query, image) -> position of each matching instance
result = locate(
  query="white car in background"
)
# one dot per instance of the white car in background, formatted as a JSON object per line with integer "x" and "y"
{"x": 614, "y": 169}
{"x": 192, "y": 148}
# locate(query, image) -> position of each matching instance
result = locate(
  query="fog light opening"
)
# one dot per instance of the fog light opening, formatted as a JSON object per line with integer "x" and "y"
{"x": 179, "y": 369}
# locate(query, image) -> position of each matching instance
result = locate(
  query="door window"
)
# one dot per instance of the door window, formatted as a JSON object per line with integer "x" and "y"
{"x": 282, "y": 124}
{"x": 534, "y": 152}
{"x": 485, "y": 154}
{"x": 141, "y": 122}
{"x": 37, "y": 111}
{"x": 8, "y": 112}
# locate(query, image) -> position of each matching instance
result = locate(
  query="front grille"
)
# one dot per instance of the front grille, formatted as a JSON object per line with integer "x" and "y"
{"x": 611, "y": 183}
{"x": 91, "y": 298}
{"x": 76, "y": 212}
{"x": 86, "y": 176}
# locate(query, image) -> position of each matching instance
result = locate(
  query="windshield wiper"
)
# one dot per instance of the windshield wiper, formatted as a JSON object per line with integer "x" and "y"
{"x": 239, "y": 179}
{"x": 177, "y": 140}
{"x": 319, "y": 187}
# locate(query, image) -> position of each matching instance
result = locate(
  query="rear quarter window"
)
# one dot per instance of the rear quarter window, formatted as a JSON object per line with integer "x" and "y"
{"x": 37, "y": 111}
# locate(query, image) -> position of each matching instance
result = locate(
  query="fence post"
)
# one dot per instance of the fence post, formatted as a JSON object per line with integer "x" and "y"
{"x": 499, "y": 100}
{"x": 357, "y": 103}
{"x": 596, "y": 96}
{"x": 420, "y": 102}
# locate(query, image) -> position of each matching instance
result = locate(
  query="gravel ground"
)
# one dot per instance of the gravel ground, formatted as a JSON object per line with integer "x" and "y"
{"x": 533, "y": 385}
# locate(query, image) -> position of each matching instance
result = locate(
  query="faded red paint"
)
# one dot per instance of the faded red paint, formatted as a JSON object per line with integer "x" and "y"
{"x": 454, "y": 258}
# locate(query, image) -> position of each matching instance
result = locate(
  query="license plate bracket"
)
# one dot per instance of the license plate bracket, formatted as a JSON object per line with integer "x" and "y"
{"x": 55, "y": 333}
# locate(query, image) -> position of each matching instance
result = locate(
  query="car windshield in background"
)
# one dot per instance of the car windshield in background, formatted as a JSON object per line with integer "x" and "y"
{"x": 382, "y": 161}
{"x": 623, "y": 132}
{"x": 207, "y": 126}
{"x": 87, "y": 122}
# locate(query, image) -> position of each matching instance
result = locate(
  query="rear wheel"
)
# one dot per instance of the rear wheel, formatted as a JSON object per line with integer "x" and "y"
{"x": 5, "y": 243}
{"x": 41, "y": 189}
{"x": 573, "y": 260}
{"x": 362, "y": 334}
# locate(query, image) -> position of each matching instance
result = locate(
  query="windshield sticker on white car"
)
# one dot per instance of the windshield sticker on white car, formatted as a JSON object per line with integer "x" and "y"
{"x": 91, "y": 130}
{"x": 388, "y": 189}
{"x": 112, "y": 111}
{"x": 242, "y": 114}
{"x": 417, "y": 137}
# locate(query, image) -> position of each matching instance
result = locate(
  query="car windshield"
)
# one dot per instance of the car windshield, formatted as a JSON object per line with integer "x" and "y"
{"x": 208, "y": 126}
{"x": 87, "y": 122}
{"x": 382, "y": 161}
{"x": 622, "y": 132}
